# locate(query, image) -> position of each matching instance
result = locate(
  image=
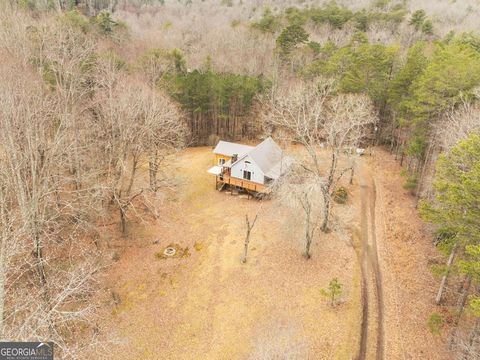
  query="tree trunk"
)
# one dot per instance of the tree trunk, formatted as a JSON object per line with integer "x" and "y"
{"x": 132, "y": 174}
{"x": 326, "y": 211}
{"x": 153, "y": 170}
{"x": 308, "y": 243}
{"x": 327, "y": 189}
{"x": 333, "y": 167}
{"x": 39, "y": 263}
{"x": 463, "y": 299}
{"x": 247, "y": 237}
{"x": 471, "y": 340}
{"x": 245, "y": 248}
{"x": 438, "y": 299}
{"x": 460, "y": 308}
{"x": 308, "y": 235}
{"x": 123, "y": 220}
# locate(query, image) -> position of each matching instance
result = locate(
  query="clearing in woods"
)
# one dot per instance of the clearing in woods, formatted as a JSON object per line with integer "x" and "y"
{"x": 206, "y": 304}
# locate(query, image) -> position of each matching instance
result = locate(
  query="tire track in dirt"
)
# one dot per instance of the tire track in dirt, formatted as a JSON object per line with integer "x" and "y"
{"x": 377, "y": 272}
{"x": 364, "y": 274}
{"x": 371, "y": 274}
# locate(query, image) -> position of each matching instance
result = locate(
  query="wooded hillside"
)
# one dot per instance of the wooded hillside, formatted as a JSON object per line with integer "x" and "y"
{"x": 93, "y": 91}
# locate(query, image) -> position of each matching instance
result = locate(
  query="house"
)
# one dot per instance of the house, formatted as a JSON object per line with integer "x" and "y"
{"x": 247, "y": 167}
{"x": 224, "y": 151}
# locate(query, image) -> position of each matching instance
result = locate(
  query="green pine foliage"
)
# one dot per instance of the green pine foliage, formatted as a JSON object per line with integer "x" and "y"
{"x": 76, "y": 20}
{"x": 450, "y": 77}
{"x": 363, "y": 68}
{"x": 470, "y": 265}
{"x": 362, "y": 20}
{"x": 427, "y": 27}
{"x": 400, "y": 92}
{"x": 103, "y": 23}
{"x": 340, "y": 196}
{"x": 421, "y": 23}
{"x": 331, "y": 14}
{"x": 213, "y": 94}
{"x": 106, "y": 24}
{"x": 456, "y": 209}
{"x": 296, "y": 16}
{"x": 315, "y": 46}
{"x": 468, "y": 38}
{"x": 457, "y": 192}
{"x": 333, "y": 292}
{"x": 269, "y": 23}
{"x": 417, "y": 19}
{"x": 437, "y": 84}
{"x": 292, "y": 36}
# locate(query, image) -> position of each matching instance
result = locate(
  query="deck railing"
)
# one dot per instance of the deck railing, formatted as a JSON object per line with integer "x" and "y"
{"x": 246, "y": 184}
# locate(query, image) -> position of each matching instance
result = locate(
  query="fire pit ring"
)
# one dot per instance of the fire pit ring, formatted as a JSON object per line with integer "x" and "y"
{"x": 169, "y": 251}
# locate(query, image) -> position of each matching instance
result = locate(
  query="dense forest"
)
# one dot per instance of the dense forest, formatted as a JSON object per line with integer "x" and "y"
{"x": 91, "y": 87}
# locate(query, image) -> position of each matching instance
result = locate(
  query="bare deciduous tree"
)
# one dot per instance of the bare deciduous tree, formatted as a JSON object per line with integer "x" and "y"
{"x": 316, "y": 119}
{"x": 299, "y": 190}
{"x": 250, "y": 226}
{"x": 134, "y": 121}
{"x": 41, "y": 218}
{"x": 349, "y": 119}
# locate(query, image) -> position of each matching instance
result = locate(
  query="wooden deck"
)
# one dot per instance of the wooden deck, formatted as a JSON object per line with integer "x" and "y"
{"x": 245, "y": 184}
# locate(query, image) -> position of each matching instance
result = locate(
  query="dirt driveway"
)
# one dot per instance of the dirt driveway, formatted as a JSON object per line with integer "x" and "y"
{"x": 400, "y": 250}
{"x": 207, "y": 305}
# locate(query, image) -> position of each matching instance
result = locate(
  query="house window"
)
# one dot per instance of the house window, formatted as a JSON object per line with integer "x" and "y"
{"x": 221, "y": 161}
{"x": 247, "y": 175}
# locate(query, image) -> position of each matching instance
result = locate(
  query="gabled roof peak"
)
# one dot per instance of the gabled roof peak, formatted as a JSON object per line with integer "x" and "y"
{"x": 268, "y": 156}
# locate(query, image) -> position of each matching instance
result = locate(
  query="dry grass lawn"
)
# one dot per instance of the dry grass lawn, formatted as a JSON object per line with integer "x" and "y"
{"x": 209, "y": 305}
{"x": 206, "y": 304}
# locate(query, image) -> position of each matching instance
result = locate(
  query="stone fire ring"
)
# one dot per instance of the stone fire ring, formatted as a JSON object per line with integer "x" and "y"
{"x": 169, "y": 251}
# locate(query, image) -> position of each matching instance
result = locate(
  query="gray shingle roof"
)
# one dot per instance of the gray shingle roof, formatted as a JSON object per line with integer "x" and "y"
{"x": 269, "y": 158}
{"x": 229, "y": 148}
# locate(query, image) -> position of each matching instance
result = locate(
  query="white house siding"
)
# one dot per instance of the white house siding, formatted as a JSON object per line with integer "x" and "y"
{"x": 238, "y": 167}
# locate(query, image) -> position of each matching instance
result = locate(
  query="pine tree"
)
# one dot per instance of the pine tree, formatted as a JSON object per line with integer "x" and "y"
{"x": 455, "y": 208}
{"x": 457, "y": 191}
{"x": 333, "y": 292}
{"x": 418, "y": 18}
{"x": 363, "y": 68}
{"x": 450, "y": 77}
{"x": 290, "y": 38}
